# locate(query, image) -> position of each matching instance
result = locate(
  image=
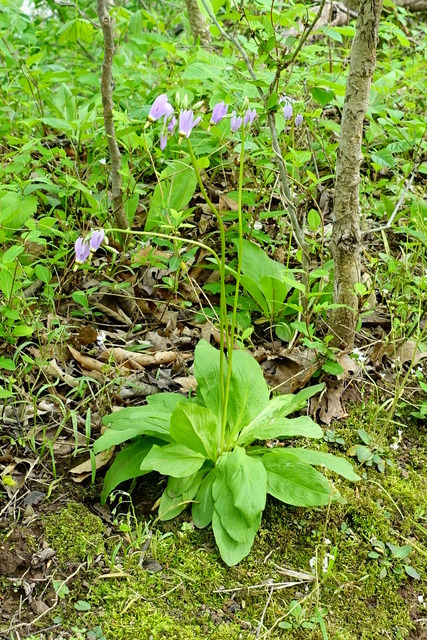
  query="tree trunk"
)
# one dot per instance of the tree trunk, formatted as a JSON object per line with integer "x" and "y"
{"x": 346, "y": 239}
{"x": 198, "y": 24}
{"x": 107, "y": 25}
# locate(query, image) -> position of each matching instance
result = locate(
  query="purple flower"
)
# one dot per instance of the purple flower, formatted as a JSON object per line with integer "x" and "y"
{"x": 82, "y": 249}
{"x": 235, "y": 122}
{"x": 163, "y": 140}
{"x": 288, "y": 111}
{"x": 187, "y": 123}
{"x": 96, "y": 239}
{"x": 160, "y": 108}
{"x": 249, "y": 117}
{"x": 172, "y": 124}
{"x": 299, "y": 120}
{"x": 218, "y": 112}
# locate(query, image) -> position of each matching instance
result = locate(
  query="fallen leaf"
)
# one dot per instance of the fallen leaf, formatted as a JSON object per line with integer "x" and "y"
{"x": 407, "y": 352}
{"x": 328, "y": 406}
{"x": 84, "y": 470}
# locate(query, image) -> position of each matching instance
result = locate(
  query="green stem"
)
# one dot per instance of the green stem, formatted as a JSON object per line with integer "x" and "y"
{"x": 238, "y": 275}
{"x": 223, "y": 334}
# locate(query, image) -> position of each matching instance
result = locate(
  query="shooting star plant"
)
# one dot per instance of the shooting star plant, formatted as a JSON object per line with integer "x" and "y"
{"x": 207, "y": 445}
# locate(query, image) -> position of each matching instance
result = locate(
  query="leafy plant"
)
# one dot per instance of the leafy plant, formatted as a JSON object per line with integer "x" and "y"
{"x": 214, "y": 465}
{"x": 391, "y": 557}
{"x": 369, "y": 453}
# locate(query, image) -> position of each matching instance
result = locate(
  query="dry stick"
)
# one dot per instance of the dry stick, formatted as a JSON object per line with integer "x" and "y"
{"x": 261, "y": 622}
{"x": 107, "y": 24}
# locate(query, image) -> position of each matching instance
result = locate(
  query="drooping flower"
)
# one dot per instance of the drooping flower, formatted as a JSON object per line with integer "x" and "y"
{"x": 160, "y": 108}
{"x": 96, "y": 239}
{"x": 235, "y": 122}
{"x": 187, "y": 122}
{"x": 288, "y": 111}
{"x": 299, "y": 120}
{"x": 250, "y": 116}
{"x": 218, "y": 112}
{"x": 82, "y": 249}
{"x": 163, "y": 140}
{"x": 171, "y": 125}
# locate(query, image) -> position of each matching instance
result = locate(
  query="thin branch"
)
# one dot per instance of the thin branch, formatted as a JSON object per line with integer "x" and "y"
{"x": 107, "y": 24}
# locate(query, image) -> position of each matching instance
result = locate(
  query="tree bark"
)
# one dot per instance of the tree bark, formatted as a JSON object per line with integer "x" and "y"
{"x": 107, "y": 25}
{"x": 199, "y": 26}
{"x": 346, "y": 238}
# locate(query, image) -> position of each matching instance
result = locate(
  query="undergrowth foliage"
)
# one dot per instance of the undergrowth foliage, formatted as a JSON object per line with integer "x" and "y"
{"x": 220, "y": 471}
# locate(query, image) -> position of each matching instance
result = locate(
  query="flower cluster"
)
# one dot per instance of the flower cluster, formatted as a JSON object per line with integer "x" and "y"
{"x": 288, "y": 110}
{"x": 186, "y": 121}
{"x": 84, "y": 247}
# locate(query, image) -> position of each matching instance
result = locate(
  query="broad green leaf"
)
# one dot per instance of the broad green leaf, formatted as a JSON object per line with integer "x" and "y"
{"x": 131, "y": 422}
{"x": 248, "y": 394}
{"x": 203, "y": 506}
{"x": 247, "y": 481}
{"x": 322, "y": 96}
{"x": 206, "y": 371}
{"x": 173, "y": 460}
{"x": 173, "y": 503}
{"x": 294, "y": 482}
{"x": 126, "y": 465}
{"x": 166, "y": 401}
{"x": 412, "y": 573}
{"x": 232, "y": 519}
{"x": 334, "y": 463}
{"x": 269, "y": 424}
{"x": 176, "y": 187}
{"x": 197, "y": 428}
{"x": 231, "y": 551}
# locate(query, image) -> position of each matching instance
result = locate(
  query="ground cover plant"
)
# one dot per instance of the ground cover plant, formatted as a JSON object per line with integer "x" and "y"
{"x": 170, "y": 277}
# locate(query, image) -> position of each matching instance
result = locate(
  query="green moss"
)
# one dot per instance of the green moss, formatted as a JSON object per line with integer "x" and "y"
{"x": 74, "y": 533}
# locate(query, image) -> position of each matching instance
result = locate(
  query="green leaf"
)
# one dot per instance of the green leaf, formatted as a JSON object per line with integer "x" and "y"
{"x": 270, "y": 424}
{"x": 334, "y": 463}
{"x": 82, "y": 605}
{"x": 249, "y": 392}
{"x": 332, "y": 367}
{"x": 232, "y": 551}
{"x": 412, "y": 573}
{"x": 294, "y": 482}
{"x": 178, "y": 494}
{"x": 7, "y": 363}
{"x": 400, "y": 552}
{"x": 203, "y": 507}
{"x": 131, "y": 422}
{"x": 322, "y": 96}
{"x": 197, "y": 428}
{"x": 246, "y": 479}
{"x": 363, "y": 453}
{"x": 126, "y": 465}
{"x": 176, "y": 187}
{"x": 206, "y": 371}
{"x": 173, "y": 460}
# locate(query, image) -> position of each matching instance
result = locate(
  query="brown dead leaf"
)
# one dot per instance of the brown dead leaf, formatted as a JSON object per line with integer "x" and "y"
{"x": 408, "y": 351}
{"x": 86, "y": 335}
{"x": 135, "y": 361}
{"x": 329, "y": 406}
{"x": 85, "y": 361}
{"x": 226, "y": 203}
{"x": 350, "y": 366}
{"x": 289, "y": 372}
{"x": 187, "y": 384}
{"x": 84, "y": 470}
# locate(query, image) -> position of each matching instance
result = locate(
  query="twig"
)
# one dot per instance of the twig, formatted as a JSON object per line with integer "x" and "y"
{"x": 274, "y": 585}
{"x": 107, "y": 24}
{"x": 396, "y": 208}
{"x": 258, "y": 629}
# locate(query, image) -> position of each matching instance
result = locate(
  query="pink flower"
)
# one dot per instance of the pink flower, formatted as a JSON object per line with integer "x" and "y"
{"x": 82, "y": 249}
{"x": 218, "y": 112}
{"x": 249, "y": 117}
{"x": 299, "y": 120}
{"x": 235, "y": 122}
{"x": 187, "y": 123}
{"x": 160, "y": 108}
{"x": 163, "y": 141}
{"x": 96, "y": 239}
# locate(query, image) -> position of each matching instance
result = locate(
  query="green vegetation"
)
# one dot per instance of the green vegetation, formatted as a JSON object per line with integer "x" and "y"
{"x": 228, "y": 245}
